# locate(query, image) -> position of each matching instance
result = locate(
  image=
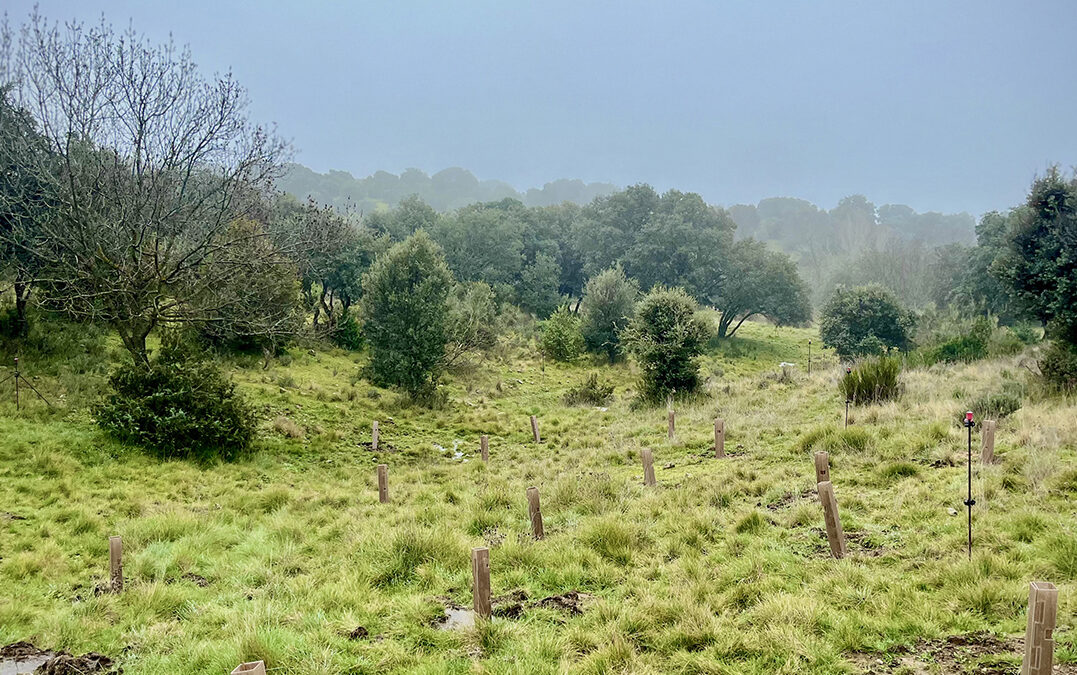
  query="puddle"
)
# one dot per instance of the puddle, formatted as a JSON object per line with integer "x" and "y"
{"x": 18, "y": 666}
{"x": 22, "y": 657}
{"x": 457, "y": 617}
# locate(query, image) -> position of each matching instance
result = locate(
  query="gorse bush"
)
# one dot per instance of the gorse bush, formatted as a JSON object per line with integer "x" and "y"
{"x": 872, "y": 381}
{"x": 667, "y": 338}
{"x": 970, "y": 346}
{"x": 1059, "y": 366}
{"x": 561, "y": 337}
{"x": 995, "y": 406}
{"x": 177, "y": 406}
{"x": 590, "y": 392}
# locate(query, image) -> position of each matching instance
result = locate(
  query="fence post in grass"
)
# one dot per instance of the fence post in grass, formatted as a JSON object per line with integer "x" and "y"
{"x": 534, "y": 429}
{"x": 480, "y": 581}
{"x": 251, "y": 668}
{"x": 115, "y": 563}
{"x": 822, "y": 467}
{"x": 834, "y": 534}
{"x": 987, "y": 433}
{"x": 719, "y": 438}
{"x": 383, "y": 483}
{"x": 534, "y": 512}
{"x": 648, "y": 466}
{"x": 374, "y": 437}
{"x": 484, "y": 447}
{"x": 1039, "y": 635}
{"x": 672, "y": 423}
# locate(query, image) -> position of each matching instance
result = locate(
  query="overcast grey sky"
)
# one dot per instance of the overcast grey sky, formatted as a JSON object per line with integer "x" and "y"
{"x": 944, "y": 106}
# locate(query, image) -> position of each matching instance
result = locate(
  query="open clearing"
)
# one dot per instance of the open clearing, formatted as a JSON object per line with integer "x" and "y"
{"x": 286, "y": 555}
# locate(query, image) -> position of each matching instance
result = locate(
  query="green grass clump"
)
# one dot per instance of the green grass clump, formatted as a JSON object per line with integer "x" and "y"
{"x": 873, "y": 380}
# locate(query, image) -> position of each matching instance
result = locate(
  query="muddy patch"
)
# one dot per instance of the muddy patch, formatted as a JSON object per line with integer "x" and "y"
{"x": 23, "y": 657}
{"x": 358, "y": 633}
{"x": 11, "y": 516}
{"x": 512, "y": 605}
{"x": 788, "y": 500}
{"x": 858, "y": 544}
{"x": 971, "y": 654}
{"x": 196, "y": 579}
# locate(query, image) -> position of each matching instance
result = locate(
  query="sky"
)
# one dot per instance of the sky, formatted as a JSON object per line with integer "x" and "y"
{"x": 943, "y": 105}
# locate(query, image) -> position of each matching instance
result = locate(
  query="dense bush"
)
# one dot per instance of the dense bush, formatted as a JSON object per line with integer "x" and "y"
{"x": 177, "y": 406}
{"x": 969, "y": 346}
{"x": 1059, "y": 366}
{"x": 864, "y": 321}
{"x": 561, "y": 337}
{"x": 609, "y": 299}
{"x": 872, "y": 381}
{"x": 405, "y": 316}
{"x": 347, "y": 334}
{"x": 590, "y": 392}
{"x": 667, "y": 337}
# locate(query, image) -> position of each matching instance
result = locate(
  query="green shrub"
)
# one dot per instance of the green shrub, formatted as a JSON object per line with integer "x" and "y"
{"x": 1027, "y": 332}
{"x": 872, "y": 381}
{"x": 347, "y": 333}
{"x": 591, "y": 392}
{"x": 177, "y": 406}
{"x": 561, "y": 336}
{"x": 863, "y": 321}
{"x": 1059, "y": 366}
{"x": 609, "y": 299}
{"x": 994, "y": 406}
{"x": 667, "y": 337}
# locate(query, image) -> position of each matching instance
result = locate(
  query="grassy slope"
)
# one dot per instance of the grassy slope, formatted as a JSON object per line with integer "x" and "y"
{"x": 722, "y": 568}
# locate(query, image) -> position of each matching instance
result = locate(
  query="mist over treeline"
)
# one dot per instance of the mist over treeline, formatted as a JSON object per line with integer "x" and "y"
{"x": 853, "y": 243}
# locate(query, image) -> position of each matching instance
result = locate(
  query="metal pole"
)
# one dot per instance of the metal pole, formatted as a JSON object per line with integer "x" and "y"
{"x": 16, "y": 383}
{"x": 809, "y": 357}
{"x": 970, "y": 501}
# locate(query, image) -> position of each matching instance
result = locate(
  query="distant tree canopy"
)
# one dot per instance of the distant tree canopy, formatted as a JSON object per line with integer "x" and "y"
{"x": 864, "y": 321}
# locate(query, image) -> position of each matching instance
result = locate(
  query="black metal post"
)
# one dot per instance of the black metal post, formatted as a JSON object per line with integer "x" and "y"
{"x": 16, "y": 384}
{"x": 809, "y": 357}
{"x": 969, "y": 502}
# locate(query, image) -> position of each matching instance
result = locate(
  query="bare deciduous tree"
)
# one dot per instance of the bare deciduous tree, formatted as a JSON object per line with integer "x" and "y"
{"x": 150, "y": 168}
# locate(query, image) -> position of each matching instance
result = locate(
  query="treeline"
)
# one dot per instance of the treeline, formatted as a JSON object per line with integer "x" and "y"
{"x": 446, "y": 190}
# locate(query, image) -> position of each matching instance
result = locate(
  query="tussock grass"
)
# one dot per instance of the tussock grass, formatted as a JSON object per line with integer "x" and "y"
{"x": 723, "y": 567}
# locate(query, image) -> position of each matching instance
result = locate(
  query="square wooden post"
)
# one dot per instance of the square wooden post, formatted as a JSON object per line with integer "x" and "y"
{"x": 534, "y": 429}
{"x": 480, "y": 581}
{"x": 484, "y": 447}
{"x": 834, "y": 534}
{"x": 822, "y": 467}
{"x": 115, "y": 564}
{"x": 374, "y": 437}
{"x": 719, "y": 438}
{"x": 1039, "y": 635}
{"x": 251, "y": 668}
{"x": 383, "y": 483}
{"x": 648, "y": 466}
{"x": 535, "y": 512}
{"x": 672, "y": 424}
{"x": 987, "y": 434}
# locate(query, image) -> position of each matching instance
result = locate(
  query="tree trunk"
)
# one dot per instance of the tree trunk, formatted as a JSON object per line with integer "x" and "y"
{"x": 22, "y": 295}
{"x": 576, "y": 309}
{"x": 134, "y": 336}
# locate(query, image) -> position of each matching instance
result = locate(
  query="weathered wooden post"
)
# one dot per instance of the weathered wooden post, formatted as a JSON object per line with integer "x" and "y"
{"x": 535, "y": 512}
{"x": 1039, "y": 635}
{"x": 383, "y": 483}
{"x": 834, "y": 534}
{"x": 484, "y": 447}
{"x": 822, "y": 467}
{"x": 374, "y": 437}
{"x": 251, "y": 668}
{"x": 480, "y": 581}
{"x": 115, "y": 563}
{"x": 534, "y": 429}
{"x": 719, "y": 438}
{"x": 987, "y": 433}
{"x": 648, "y": 466}
{"x": 672, "y": 424}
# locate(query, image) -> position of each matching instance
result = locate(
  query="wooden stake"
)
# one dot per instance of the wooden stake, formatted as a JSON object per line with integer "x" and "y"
{"x": 383, "y": 483}
{"x": 374, "y": 437}
{"x": 484, "y": 447}
{"x": 1039, "y": 635}
{"x": 822, "y": 467}
{"x": 115, "y": 563}
{"x": 534, "y": 512}
{"x": 534, "y": 429}
{"x": 834, "y": 534}
{"x": 987, "y": 433}
{"x": 672, "y": 425}
{"x": 719, "y": 438}
{"x": 648, "y": 466}
{"x": 480, "y": 581}
{"x": 251, "y": 668}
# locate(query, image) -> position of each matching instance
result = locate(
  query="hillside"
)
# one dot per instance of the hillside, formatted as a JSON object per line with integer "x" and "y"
{"x": 286, "y": 555}
{"x": 445, "y": 190}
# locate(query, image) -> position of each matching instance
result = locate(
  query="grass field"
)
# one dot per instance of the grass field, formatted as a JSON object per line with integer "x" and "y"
{"x": 723, "y": 567}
